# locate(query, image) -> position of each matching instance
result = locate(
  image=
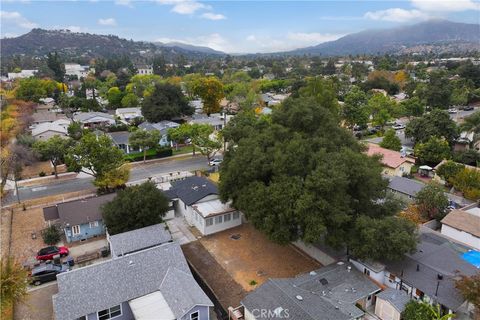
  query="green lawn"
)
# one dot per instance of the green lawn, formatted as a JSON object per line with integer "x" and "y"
{"x": 183, "y": 150}
{"x": 139, "y": 155}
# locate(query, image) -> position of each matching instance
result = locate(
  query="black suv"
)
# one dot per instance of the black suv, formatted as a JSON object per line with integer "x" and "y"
{"x": 46, "y": 272}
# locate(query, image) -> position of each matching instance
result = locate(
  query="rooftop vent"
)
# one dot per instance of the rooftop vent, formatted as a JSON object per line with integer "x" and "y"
{"x": 323, "y": 281}
{"x": 313, "y": 273}
{"x": 440, "y": 276}
{"x": 299, "y": 298}
{"x": 349, "y": 268}
{"x": 340, "y": 263}
{"x": 418, "y": 267}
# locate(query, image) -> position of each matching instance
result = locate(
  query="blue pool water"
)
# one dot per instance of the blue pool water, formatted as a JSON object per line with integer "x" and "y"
{"x": 472, "y": 257}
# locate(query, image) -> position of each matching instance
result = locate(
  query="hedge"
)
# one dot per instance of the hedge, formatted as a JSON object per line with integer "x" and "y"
{"x": 151, "y": 154}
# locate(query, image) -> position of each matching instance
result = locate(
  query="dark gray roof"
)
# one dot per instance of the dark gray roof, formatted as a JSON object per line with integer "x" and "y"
{"x": 103, "y": 285}
{"x": 397, "y": 298}
{"x": 435, "y": 255}
{"x": 404, "y": 185}
{"x": 192, "y": 189}
{"x": 50, "y": 213}
{"x": 139, "y": 239}
{"x": 120, "y": 137}
{"x": 79, "y": 211}
{"x": 161, "y": 126}
{"x": 327, "y": 293}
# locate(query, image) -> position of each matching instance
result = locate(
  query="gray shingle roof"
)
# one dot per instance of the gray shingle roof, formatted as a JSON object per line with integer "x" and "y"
{"x": 192, "y": 189}
{"x": 99, "y": 286}
{"x": 85, "y": 116}
{"x": 404, "y": 185}
{"x": 397, "y": 298}
{"x": 435, "y": 255}
{"x": 120, "y": 137}
{"x": 327, "y": 293}
{"x": 161, "y": 126}
{"x": 139, "y": 239}
{"x": 79, "y": 211}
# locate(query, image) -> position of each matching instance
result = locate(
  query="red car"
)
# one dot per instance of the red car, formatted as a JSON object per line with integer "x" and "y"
{"x": 49, "y": 252}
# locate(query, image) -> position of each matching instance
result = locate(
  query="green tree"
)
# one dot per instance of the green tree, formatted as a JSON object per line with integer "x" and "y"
{"x": 33, "y": 89}
{"x": 413, "y": 107}
{"x": 449, "y": 169}
{"x": 433, "y": 151}
{"x": 55, "y": 64}
{"x": 469, "y": 287}
{"x": 53, "y": 149}
{"x": 129, "y": 101}
{"x": 391, "y": 141}
{"x": 98, "y": 157}
{"x": 14, "y": 283}
{"x": 200, "y": 136}
{"x": 300, "y": 176}
{"x": 471, "y": 123}
{"x": 75, "y": 130}
{"x": 166, "y": 102}
{"x": 114, "y": 97}
{"x": 421, "y": 310}
{"x": 381, "y": 108}
{"x": 436, "y": 123}
{"x": 144, "y": 140}
{"x": 210, "y": 90}
{"x": 432, "y": 202}
{"x": 468, "y": 182}
{"x": 51, "y": 235}
{"x": 355, "y": 108}
{"x": 135, "y": 207}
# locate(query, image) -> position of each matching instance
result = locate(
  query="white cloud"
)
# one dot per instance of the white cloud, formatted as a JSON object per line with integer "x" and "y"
{"x": 446, "y": 5}
{"x": 251, "y": 38}
{"x": 213, "y": 16}
{"x": 126, "y": 3}
{"x": 289, "y": 41}
{"x": 107, "y": 22}
{"x": 396, "y": 15}
{"x": 184, "y": 6}
{"x": 15, "y": 18}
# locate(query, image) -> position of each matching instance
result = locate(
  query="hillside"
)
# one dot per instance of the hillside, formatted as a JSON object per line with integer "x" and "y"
{"x": 433, "y": 35}
{"x": 39, "y": 42}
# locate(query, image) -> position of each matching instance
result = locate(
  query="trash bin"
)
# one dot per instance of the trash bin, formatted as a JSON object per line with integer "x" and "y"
{"x": 70, "y": 261}
{"x": 104, "y": 252}
{"x": 56, "y": 259}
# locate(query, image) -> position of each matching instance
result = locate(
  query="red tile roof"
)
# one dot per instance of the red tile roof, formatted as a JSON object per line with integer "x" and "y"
{"x": 390, "y": 158}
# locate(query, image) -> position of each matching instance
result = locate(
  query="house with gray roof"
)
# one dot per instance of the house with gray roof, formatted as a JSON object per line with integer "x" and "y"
{"x": 94, "y": 119}
{"x": 197, "y": 200}
{"x": 79, "y": 219}
{"x": 429, "y": 273}
{"x": 333, "y": 292}
{"x": 390, "y": 304}
{"x": 215, "y": 120}
{"x": 154, "y": 283}
{"x": 163, "y": 127}
{"x": 405, "y": 188}
{"x": 139, "y": 239}
{"x": 121, "y": 140}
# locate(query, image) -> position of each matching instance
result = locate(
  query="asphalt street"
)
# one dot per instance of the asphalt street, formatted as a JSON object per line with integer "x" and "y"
{"x": 138, "y": 172}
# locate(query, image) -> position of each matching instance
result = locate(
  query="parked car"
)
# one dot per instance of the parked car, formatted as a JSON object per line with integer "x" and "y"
{"x": 49, "y": 252}
{"x": 46, "y": 272}
{"x": 398, "y": 126}
{"x": 215, "y": 162}
{"x": 468, "y": 108}
{"x": 452, "y": 110}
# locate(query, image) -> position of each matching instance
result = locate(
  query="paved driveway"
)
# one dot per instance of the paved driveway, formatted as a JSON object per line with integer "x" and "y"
{"x": 37, "y": 304}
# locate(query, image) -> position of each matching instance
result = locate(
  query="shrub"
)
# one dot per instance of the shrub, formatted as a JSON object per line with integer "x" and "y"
{"x": 51, "y": 235}
{"x": 42, "y": 174}
{"x": 253, "y": 283}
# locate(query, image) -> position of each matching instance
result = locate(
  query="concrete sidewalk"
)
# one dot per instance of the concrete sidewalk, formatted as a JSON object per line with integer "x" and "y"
{"x": 179, "y": 230}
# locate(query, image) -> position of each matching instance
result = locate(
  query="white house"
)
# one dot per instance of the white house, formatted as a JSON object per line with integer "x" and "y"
{"x": 74, "y": 69}
{"x": 46, "y": 130}
{"x": 22, "y": 74}
{"x": 216, "y": 120}
{"x": 128, "y": 114}
{"x": 196, "y": 199}
{"x": 463, "y": 226}
{"x": 94, "y": 119}
{"x": 144, "y": 70}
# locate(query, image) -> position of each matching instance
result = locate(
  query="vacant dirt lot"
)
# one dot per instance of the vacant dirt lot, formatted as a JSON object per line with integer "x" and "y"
{"x": 37, "y": 304}
{"x": 255, "y": 258}
{"x": 24, "y": 225}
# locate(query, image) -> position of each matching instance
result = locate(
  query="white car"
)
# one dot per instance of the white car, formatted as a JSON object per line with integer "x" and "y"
{"x": 397, "y": 126}
{"x": 215, "y": 162}
{"x": 452, "y": 110}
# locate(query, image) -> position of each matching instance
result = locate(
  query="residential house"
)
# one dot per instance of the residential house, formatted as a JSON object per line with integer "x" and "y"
{"x": 45, "y": 117}
{"x": 121, "y": 140}
{"x": 272, "y": 98}
{"x": 429, "y": 273}
{"x": 48, "y": 104}
{"x": 390, "y": 304}
{"x": 399, "y": 97}
{"x": 163, "y": 127}
{"x": 79, "y": 219}
{"x": 463, "y": 225}
{"x": 22, "y": 74}
{"x": 394, "y": 163}
{"x": 216, "y": 120}
{"x": 46, "y": 130}
{"x": 464, "y": 142}
{"x": 334, "y": 292}
{"x": 405, "y": 188}
{"x": 154, "y": 283}
{"x": 128, "y": 114}
{"x": 197, "y": 200}
{"x": 136, "y": 240}
{"x": 144, "y": 69}
{"x": 94, "y": 119}
{"x": 74, "y": 69}
{"x": 197, "y": 105}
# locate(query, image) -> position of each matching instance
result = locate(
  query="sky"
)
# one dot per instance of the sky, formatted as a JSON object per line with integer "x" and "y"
{"x": 229, "y": 26}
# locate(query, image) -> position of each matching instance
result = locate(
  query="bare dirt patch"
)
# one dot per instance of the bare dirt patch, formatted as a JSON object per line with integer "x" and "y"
{"x": 37, "y": 305}
{"x": 251, "y": 258}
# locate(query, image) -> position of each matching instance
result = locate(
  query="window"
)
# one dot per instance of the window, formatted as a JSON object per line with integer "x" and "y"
{"x": 110, "y": 313}
{"x": 227, "y": 217}
{"x": 93, "y": 224}
{"x": 218, "y": 219}
{"x": 194, "y": 316}
{"x": 76, "y": 230}
{"x": 366, "y": 271}
{"x": 209, "y": 221}
{"x": 236, "y": 215}
{"x": 82, "y": 318}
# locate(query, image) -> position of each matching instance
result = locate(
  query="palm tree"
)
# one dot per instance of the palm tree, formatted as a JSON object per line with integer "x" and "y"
{"x": 13, "y": 283}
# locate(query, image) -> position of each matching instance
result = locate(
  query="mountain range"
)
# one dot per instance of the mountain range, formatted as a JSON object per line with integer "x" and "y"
{"x": 434, "y": 35}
